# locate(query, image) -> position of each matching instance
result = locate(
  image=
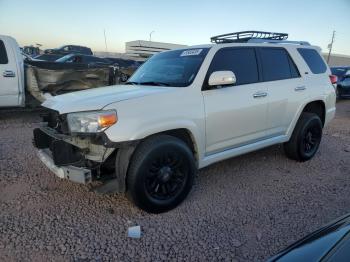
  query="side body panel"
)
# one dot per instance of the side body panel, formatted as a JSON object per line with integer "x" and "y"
{"x": 234, "y": 117}
{"x": 285, "y": 97}
{"x": 11, "y": 75}
{"x": 144, "y": 116}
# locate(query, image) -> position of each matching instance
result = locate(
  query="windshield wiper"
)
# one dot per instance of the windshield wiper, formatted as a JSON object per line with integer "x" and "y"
{"x": 131, "y": 83}
{"x": 154, "y": 83}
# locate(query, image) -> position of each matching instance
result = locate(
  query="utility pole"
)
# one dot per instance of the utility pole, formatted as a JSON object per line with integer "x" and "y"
{"x": 104, "y": 32}
{"x": 150, "y": 36}
{"x": 330, "y": 46}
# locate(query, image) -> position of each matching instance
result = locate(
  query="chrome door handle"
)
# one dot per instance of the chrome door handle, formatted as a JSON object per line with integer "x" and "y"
{"x": 300, "y": 88}
{"x": 259, "y": 94}
{"x": 8, "y": 73}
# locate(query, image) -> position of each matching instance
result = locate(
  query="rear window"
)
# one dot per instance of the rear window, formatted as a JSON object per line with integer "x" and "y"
{"x": 313, "y": 60}
{"x": 3, "y": 54}
{"x": 277, "y": 65}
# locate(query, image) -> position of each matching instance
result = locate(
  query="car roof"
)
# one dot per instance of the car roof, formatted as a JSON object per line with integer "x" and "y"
{"x": 340, "y": 67}
{"x": 223, "y": 45}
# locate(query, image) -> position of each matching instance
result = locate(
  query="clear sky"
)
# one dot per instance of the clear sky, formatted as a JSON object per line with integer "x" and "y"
{"x": 56, "y": 22}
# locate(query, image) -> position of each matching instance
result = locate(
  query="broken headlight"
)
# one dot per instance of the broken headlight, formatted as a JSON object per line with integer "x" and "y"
{"x": 91, "y": 122}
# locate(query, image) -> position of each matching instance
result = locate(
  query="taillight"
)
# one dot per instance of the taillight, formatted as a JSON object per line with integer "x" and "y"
{"x": 333, "y": 78}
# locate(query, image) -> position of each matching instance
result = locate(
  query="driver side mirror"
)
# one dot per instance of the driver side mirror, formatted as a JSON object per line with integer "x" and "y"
{"x": 222, "y": 78}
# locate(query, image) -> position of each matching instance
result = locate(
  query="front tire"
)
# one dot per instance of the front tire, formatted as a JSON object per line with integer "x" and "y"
{"x": 124, "y": 77}
{"x": 160, "y": 174}
{"x": 305, "y": 139}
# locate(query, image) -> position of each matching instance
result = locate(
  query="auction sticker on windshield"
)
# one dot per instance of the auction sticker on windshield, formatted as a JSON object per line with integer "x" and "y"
{"x": 191, "y": 52}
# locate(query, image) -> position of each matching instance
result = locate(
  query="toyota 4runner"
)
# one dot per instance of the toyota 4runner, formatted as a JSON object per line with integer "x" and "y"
{"x": 185, "y": 109}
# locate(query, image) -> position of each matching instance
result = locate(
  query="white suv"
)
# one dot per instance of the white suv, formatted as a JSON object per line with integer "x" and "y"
{"x": 185, "y": 109}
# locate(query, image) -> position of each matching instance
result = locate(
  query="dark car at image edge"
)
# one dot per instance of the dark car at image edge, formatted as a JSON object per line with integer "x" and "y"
{"x": 329, "y": 243}
{"x": 343, "y": 81}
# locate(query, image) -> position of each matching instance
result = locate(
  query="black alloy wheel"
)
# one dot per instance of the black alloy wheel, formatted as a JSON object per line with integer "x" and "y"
{"x": 166, "y": 176}
{"x": 305, "y": 138}
{"x": 312, "y": 139}
{"x": 161, "y": 173}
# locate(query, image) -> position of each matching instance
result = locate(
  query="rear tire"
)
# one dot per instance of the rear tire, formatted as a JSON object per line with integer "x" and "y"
{"x": 161, "y": 173}
{"x": 337, "y": 92}
{"x": 305, "y": 139}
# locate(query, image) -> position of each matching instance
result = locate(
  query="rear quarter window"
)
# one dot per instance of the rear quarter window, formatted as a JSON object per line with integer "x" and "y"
{"x": 3, "y": 54}
{"x": 313, "y": 60}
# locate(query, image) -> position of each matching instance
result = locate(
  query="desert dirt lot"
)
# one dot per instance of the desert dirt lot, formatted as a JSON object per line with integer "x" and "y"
{"x": 242, "y": 209}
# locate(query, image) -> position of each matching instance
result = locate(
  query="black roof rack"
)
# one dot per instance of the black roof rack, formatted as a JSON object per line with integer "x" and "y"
{"x": 245, "y": 36}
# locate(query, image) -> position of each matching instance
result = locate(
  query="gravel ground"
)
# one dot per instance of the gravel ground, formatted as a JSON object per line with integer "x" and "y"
{"x": 243, "y": 209}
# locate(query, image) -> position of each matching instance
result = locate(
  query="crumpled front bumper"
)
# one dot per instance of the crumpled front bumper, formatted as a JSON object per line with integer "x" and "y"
{"x": 65, "y": 160}
{"x": 75, "y": 174}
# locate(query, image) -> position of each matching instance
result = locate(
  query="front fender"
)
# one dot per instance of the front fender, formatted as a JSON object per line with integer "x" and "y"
{"x": 143, "y": 130}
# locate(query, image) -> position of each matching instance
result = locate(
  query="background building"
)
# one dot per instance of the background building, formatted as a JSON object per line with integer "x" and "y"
{"x": 145, "y": 49}
{"x": 338, "y": 60}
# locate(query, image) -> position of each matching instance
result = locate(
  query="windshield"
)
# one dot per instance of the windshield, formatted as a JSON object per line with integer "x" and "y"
{"x": 339, "y": 71}
{"x": 173, "y": 68}
{"x": 65, "y": 58}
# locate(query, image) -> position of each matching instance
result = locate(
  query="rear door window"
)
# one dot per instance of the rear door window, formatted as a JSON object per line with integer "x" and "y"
{"x": 241, "y": 61}
{"x": 277, "y": 64}
{"x": 313, "y": 60}
{"x": 3, "y": 54}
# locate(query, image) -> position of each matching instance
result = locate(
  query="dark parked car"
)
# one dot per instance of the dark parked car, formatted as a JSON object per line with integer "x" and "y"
{"x": 126, "y": 67}
{"x": 47, "y": 57}
{"x": 343, "y": 83}
{"x": 70, "y": 49}
{"x": 31, "y": 50}
{"x": 84, "y": 59}
{"x": 330, "y": 243}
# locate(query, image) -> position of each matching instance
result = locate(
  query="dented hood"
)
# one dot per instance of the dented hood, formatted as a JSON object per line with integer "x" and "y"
{"x": 98, "y": 98}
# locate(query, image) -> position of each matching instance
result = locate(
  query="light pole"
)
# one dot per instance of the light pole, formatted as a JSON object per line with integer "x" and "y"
{"x": 150, "y": 36}
{"x": 330, "y": 47}
{"x": 104, "y": 32}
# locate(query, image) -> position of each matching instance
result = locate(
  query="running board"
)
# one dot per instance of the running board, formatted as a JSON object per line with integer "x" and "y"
{"x": 228, "y": 153}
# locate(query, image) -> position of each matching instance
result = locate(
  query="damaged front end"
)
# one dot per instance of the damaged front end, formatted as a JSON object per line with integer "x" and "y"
{"x": 45, "y": 79}
{"x": 82, "y": 158}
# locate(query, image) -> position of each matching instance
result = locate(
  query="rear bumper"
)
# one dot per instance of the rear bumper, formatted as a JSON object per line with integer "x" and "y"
{"x": 330, "y": 114}
{"x": 75, "y": 174}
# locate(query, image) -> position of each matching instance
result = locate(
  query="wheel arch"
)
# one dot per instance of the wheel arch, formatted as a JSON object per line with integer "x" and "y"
{"x": 317, "y": 107}
{"x": 124, "y": 155}
{"x": 186, "y": 136}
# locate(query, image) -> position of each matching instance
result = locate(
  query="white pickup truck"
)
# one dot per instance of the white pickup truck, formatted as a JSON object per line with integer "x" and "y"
{"x": 29, "y": 82}
{"x": 12, "y": 91}
{"x": 185, "y": 109}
